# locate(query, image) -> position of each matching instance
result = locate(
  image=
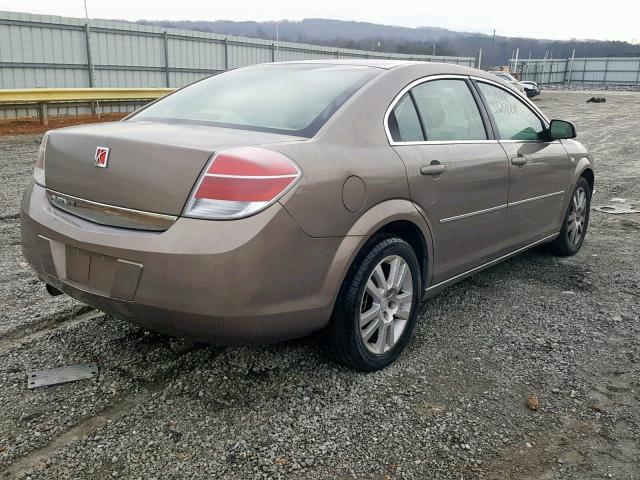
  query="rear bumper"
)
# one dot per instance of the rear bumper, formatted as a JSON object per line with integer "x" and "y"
{"x": 255, "y": 280}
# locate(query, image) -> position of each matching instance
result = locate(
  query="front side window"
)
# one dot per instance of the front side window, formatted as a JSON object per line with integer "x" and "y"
{"x": 448, "y": 111}
{"x": 515, "y": 121}
{"x": 295, "y": 99}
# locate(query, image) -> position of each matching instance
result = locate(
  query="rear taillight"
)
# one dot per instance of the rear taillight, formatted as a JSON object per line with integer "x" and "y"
{"x": 240, "y": 182}
{"x": 38, "y": 171}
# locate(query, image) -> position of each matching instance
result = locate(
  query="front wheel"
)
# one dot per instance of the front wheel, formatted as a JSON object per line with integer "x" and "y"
{"x": 376, "y": 308}
{"x": 576, "y": 220}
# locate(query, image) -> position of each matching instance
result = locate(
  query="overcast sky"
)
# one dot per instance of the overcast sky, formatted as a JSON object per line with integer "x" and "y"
{"x": 557, "y": 19}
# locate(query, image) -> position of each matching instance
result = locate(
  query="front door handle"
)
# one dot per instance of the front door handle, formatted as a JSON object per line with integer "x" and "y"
{"x": 519, "y": 161}
{"x": 433, "y": 169}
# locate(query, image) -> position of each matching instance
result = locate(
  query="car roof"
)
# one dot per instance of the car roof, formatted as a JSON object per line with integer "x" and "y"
{"x": 378, "y": 63}
{"x": 382, "y": 63}
{"x": 419, "y": 69}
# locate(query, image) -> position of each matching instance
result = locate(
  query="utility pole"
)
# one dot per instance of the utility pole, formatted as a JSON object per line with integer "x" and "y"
{"x": 434, "y": 49}
{"x": 95, "y": 107}
{"x": 277, "y": 37}
{"x": 92, "y": 70}
{"x": 573, "y": 55}
{"x": 493, "y": 48}
{"x": 480, "y": 59}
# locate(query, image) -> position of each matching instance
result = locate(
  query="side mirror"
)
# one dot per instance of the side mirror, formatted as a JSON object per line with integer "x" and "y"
{"x": 560, "y": 129}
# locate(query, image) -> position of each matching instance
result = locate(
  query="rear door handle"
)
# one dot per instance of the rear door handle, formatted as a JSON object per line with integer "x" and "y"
{"x": 519, "y": 161}
{"x": 434, "y": 169}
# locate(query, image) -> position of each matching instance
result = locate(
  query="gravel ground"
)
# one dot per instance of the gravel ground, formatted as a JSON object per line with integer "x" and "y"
{"x": 453, "y": 407}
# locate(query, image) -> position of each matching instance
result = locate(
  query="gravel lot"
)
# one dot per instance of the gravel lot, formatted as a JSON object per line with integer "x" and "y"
{"x": 454, "y": 406}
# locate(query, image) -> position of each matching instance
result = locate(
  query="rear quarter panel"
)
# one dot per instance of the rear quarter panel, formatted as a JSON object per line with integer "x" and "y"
{"x": 317, "y": 203}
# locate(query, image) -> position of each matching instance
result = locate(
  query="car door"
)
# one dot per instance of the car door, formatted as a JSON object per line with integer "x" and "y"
{"x": 539, "y": 169}
{"x": 457, "y": 172}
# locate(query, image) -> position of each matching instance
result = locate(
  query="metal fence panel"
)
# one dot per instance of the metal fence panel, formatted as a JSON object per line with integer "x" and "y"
{"x": 25, "y": 44}
{"x": 288, "y": 55}
{"x": 183, "y": 53}
{"x": 184, "y": 78}
{"x": 603, "y": 72}
{"x": 243, "y": 55}
{"x": 126, "y": 50}
{"x": 18, "y": 77}
{"x": 130, "y": 78}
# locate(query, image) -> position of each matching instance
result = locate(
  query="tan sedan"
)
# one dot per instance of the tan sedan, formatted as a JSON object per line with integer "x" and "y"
{"x": 274, "y": 201}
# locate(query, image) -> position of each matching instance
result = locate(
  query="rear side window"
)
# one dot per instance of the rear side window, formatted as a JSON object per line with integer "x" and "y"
{"x": 294, "y": 99}
{"x": 449, "y": 111}
{"x": 404, "y": 124}
{"x": 515, "y": 121}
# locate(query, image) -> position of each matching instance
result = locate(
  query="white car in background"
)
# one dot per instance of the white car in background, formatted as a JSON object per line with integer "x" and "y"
{"x": 507, "y": 77}
{"x": 531, "y": 88}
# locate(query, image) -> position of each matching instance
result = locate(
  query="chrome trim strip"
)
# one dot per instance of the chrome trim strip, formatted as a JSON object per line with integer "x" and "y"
{"x": 530, "y": 141}
{"x": 499, "y": 207}
{"x": 460, "y": 276}
{"x": 252, "y": 177}
{"x": 442, "y": 142}
{"x": 110, "y": 215}
{"x": 472, "y": 214}
{"x": 532, "y": 199}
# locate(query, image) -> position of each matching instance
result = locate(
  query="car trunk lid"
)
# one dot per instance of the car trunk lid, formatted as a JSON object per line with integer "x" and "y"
{"x": 150, "y": 167}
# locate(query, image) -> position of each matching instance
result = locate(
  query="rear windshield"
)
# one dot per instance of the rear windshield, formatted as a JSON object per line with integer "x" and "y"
{"x": 295, "y": 99}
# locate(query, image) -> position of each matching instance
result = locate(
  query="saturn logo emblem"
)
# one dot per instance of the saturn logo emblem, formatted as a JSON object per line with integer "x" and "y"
{"x": 102, "y": 157}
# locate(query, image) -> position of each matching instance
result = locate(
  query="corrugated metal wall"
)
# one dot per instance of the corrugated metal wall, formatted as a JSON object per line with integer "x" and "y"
{"x": 50, "y": 51}
{"x": 588, "y": 71}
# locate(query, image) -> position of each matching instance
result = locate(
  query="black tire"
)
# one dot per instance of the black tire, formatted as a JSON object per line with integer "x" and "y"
{"x": 562, "y": 245}
{"x": 342, "y": 337}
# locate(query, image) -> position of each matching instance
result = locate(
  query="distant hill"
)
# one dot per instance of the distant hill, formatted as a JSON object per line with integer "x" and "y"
{"x": 421, "y": 40}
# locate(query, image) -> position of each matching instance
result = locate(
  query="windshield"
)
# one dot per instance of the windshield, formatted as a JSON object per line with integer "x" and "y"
{"x": 506, "y": 76}
{"x": 295, "y": 99}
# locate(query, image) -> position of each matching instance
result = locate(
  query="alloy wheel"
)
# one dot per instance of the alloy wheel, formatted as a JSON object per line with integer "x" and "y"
{"x": 576, "y": 222}
{"x": 386, "y": 304}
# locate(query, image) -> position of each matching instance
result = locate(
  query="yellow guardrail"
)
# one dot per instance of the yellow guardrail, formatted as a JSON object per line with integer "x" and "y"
{"x": 38, "y": 95}
{"x": 43, "y": 96}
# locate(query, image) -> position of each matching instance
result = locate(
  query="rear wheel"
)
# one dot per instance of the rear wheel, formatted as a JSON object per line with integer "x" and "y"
{"x": 576, "y": 220}
{"x": 376, "y": 308}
